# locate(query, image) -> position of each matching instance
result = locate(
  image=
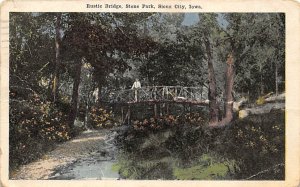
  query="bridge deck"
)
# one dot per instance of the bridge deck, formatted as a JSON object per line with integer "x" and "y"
{"x": 158, "y": 94}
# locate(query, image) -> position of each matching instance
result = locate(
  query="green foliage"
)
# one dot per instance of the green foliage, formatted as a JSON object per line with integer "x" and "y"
{"x": 131, "y": 166}
{"x": 208, "y": 167}
{"x": 215, "y": 171}
{"x": 260, "y": 100}
{"x": 167, "y": 121}
{"x": 260, "y": 139}
{"x": 259, "y": 40}
{"x": 100, "y": 117}
{"x": 34, "y": 126}
{"x": 161, "y": 51}
{"x": 245, "y": 148}
{"x": 35, "y": 122}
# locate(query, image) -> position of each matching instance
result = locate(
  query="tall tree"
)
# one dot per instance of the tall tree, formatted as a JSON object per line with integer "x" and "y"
{"x": 229, "y": 82}
{"x": 57, "y": 57}
{"x": 212, "y": 96}
{"x": 106, "y": 45}
{"x": 75, "y": 92}
{"x": 208, "y": 28}
{"x": 243, "y": 33}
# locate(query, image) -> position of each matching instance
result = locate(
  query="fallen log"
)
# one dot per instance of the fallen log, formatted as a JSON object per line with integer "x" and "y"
{"x": 266, "y": 108}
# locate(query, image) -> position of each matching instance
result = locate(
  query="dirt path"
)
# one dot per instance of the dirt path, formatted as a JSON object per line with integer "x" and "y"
{"x": 90, "y": 145}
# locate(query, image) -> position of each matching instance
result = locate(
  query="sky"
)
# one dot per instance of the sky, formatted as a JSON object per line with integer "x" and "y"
{"x": 192, "y": 18}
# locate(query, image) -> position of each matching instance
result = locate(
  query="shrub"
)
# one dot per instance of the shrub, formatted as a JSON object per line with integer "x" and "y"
{"x": 34, "y": 127}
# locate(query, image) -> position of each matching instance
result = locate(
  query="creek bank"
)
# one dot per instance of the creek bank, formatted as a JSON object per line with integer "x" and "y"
{"x": 96, "y": 166}
{"x": 77, "y": 155}
{"x": 186, "y": 151}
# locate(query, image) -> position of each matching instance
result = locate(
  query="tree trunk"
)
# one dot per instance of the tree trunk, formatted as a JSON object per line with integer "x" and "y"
{"x": 75, "y": 95}
{"x": 55, "y": 81}
{"x": 99, "y": 92}
{"x": 261, "y": 81}
{"x": 229, "y": 80}
{"x": 129, "y": 116}
{"x": 229, "y": 88}
{"x": 86, "y": 115}
{"x": 122, "y": 114}
{"x": 155, "y": 111}
{"x": 261, "y": 84}
{"x": 276, "y": 78}
{"x": 213, "y": 107}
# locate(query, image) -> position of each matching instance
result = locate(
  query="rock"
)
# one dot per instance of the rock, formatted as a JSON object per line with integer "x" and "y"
{"x": 243, "y": 113}
{"x": 78, "y": 123}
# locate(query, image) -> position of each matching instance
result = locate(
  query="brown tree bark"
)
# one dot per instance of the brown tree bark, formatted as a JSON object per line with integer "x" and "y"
{"x": 229, "y": 88}
{"x": 213, "y": 106}
{"x": 262, "y": 91}
{"x": 276, "y": 78}
{"x": 75, "y": 95}
{"x": 99, "y": 93}
{"x": 55, "y": 82}
{"x": 229, "y": 81}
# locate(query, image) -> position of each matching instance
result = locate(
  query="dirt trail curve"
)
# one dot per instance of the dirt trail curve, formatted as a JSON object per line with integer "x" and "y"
{"x": 66, "y": 154}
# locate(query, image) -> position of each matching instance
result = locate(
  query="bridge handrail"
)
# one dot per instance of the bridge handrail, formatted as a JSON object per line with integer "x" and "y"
{"x": 156, "y": 93}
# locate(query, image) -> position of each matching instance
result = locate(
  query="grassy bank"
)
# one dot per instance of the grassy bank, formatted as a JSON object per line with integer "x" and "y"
{"x": 250, "y": 148}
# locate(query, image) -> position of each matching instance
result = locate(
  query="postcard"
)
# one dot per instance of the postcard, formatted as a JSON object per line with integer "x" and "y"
{"x": 137, "y": 93}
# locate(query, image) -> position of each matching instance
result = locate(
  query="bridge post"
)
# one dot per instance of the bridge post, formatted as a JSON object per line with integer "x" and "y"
{"x": 135, "y": 94}
{"x": 128, "y": 115}
{"x": 162, "y": 105}
{"x": 167, "y": 109}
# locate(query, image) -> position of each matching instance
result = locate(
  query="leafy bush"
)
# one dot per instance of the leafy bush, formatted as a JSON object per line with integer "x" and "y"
{"x": 251, "y": 148}
{"x": 167, "y": 121}
{"x": 34, "y": 127}
{"x": 100, "y": 117}
{"x": 258, "y": 143}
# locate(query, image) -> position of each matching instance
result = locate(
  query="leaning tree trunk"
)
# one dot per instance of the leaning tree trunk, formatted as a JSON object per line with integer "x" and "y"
{"x": 213, "y": 106}
{"x": 55, "y": 83}
{"x": 75, "y": 95}
{"x": 229, "y": 80}
{"x": 229, "y": 88}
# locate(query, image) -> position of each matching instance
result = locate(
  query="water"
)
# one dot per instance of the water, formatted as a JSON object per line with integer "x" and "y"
{"x": 97, "y": 166}
{"x": 87, "y": 170}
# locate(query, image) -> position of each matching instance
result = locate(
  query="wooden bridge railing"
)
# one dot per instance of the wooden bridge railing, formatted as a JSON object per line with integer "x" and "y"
{"x": 196, "y": 95}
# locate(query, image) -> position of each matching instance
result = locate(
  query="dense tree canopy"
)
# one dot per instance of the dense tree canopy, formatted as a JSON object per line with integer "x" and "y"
{"x": 58, "y": 61}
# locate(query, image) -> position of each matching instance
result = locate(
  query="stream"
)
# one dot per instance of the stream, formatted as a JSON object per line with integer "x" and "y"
{"x": 184, "y": 152}
{"x": 96, "y": 166}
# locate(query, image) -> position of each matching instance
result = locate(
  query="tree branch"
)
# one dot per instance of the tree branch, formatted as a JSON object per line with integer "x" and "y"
{"x": 115, "y": 22}
{"x": 43, "y": 67}
{"x": 24, "y": 88}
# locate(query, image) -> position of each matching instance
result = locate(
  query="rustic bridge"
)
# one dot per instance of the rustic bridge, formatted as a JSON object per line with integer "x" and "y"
{"x": 158, "y": 94}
